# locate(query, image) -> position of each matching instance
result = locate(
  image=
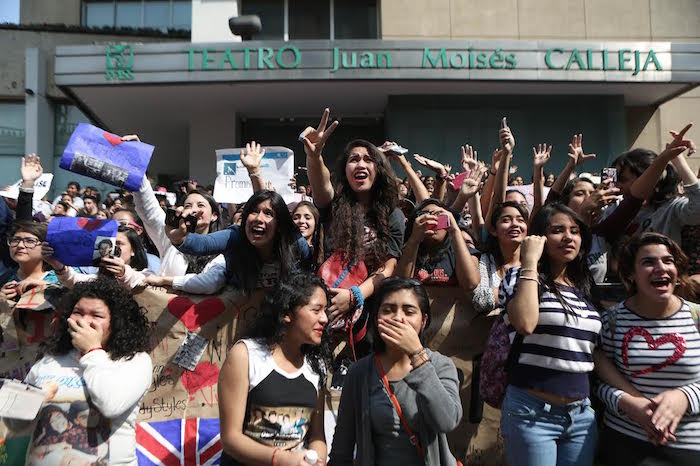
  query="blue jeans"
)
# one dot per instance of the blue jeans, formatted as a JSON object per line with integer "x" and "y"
{"x": 536, "y": 433}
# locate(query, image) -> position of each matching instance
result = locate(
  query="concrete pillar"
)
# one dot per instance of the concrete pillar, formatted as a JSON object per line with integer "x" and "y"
{"x": 208, "y": 133}
{"x": 39, "y": 113}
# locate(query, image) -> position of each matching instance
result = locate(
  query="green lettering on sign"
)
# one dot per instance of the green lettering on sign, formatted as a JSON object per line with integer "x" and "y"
{"x": 119, "y": 63}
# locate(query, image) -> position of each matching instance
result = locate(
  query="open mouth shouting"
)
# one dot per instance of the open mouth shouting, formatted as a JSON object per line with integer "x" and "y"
{"x": 661, "y": 284}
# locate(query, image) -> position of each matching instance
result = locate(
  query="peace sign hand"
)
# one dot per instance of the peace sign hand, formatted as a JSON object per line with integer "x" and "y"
{"x": 315, "y": 139}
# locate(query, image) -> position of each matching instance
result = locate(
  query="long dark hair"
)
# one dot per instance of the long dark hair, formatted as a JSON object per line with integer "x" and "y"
{"x": 129, "y": 328}
{"x": 389, "y": 286}
{"x": 492, "y": 245}
{"x": 427, "y": 258}
{"x": 317, "y": 237}
{"x": 577, "y": 270}
{"x": 569, "y": 189}
{"x": 248, "y": 264}
{"x": 293, "y": 292}
{"x": 346, "y": 232}
{"x": 686, "y": 288}
{"x": 195, "y": 264}
{"x": 638, "y": 160}
{"x": 139, "y": 261}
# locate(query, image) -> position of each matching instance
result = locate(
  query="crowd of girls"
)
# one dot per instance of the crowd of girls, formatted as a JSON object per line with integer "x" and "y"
{"x": 351, "y": 263}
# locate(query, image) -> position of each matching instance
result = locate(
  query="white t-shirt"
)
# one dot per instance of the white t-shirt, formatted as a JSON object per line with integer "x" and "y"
{"x": 91, "y": 418}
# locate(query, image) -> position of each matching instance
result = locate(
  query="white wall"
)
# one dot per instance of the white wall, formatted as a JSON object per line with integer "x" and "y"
{"x": 210, "y": 20}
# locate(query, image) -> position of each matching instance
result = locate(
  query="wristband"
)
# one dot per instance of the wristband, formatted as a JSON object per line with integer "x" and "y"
{"x": 492, "y": 173}
{"x": 91, "y": 350}
{"x": 356, "y": 292}
{"x": 529, "y": 278}
{"x": 274, "y": 453}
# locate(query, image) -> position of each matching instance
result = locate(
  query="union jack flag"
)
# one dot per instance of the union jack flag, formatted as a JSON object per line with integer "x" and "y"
{"x": 182, "y": 442}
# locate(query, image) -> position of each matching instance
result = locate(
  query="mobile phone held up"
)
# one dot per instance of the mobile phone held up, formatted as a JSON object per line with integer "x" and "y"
{"x": 397, "y": 149}
{"x": 609, "y": 174}
{"x": 443, "y": 223}
{"x": 172, "y": 219}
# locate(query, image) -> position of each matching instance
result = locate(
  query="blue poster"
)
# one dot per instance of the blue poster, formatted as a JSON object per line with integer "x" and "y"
{"x": 104, "y": 156}
{"x": 81, "y": 241}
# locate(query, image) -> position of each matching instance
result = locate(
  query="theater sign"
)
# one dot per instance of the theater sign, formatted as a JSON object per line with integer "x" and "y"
{"x": 378, "y": 60}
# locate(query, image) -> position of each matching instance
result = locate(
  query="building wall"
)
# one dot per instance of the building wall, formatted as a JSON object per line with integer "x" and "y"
{"x": 642, "y": 20}
{"x": 53, "y": 12}
{"x": 210, "y": 20}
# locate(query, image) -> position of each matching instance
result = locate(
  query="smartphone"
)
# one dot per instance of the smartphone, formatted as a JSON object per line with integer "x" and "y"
{"x": 397, "y": 149}
{"x": 443, "y": 223}
{"x": 504, "y": 123}
{"x": 172, "y": 219}
{"x": 459, "y": 179}
{"x": 116, "y": 252}
{"x": 609, "y": 173}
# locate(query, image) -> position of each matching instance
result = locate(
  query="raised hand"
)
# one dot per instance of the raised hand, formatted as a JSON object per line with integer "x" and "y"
{"x": 401, "y": 158}
{"x": 424, "y": 226}
{"x": 599, "y": 198}
{"x": 31, "y": 170}
{"x": 471, "y": 183}
{"x": 114, "y": 265}
{"x": 315, "y": 139}
{"x": 540, "y": 156}
{"x": 434, "y": 165}
{"x": 252, "y": 155}
{"x": 679, "y": 144}
{"x": 507, "y": 139}
{"x": 469, "y": 158}
{"x": 576, "y": 154}
{"x": 531, "y": 250}
{"x": 131, "y": 137}
{"x": 496, "y": 158}
{"x": 47, "y": 255}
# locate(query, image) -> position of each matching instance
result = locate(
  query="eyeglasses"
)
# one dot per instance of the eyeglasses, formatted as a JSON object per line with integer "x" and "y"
{"x": 29, "y": 243}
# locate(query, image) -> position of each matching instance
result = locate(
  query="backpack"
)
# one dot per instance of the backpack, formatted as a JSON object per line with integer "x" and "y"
{"x": 499, "y": 354}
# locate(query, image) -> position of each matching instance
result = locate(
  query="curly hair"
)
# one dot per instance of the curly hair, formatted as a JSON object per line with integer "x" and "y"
{"x": 292, "y": 293}
{"x": 129, "y": 328}
{"x": 685, "y": 288}
{"x": 347, "y": 230}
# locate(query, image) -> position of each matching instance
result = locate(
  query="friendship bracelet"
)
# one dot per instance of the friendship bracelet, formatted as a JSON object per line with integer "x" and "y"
{"x": 274, "y": 453}
{"x": 356, "y": 292}
{"x": 529, "y": 278}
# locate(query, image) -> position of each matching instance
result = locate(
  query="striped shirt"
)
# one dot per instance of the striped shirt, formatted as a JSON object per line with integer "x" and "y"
{"x": 558, "y": 356}
{"x": 655, "y": 356}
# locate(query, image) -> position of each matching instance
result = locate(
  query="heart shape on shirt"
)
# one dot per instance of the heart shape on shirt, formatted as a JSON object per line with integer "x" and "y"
{"x": 673, "y": 338}
{"x": 205, "y": 374}
{"x": 192, "y": 314}
{"x": 89, "y": 224}
{"x": 112, "y": 138}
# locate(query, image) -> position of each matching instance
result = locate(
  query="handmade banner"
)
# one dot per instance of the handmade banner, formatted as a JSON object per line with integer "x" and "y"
{"x": 81, "y": 241}
{"x": 232, "y": 183}
{"x": 103, "y": 156}
{"x": 42, "y": 185}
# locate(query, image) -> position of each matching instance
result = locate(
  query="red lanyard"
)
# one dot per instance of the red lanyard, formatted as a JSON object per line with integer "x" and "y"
{"x": 414, "y": 440}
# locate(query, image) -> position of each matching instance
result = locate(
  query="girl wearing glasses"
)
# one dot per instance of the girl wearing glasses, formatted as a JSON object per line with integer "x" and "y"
{"x": 24, "y": 241}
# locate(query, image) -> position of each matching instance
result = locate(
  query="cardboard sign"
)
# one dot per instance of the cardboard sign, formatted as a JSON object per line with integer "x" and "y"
{"x": 103, "y": 156}
{"x": 233, "y": 184}
{"x": 81, "y": 241}
{"x": 41, "y": 187}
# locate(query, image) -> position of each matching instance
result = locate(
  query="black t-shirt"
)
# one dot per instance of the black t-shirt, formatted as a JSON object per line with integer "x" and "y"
{"x": 444, "y": 272}
{"x": 397, "y": 225}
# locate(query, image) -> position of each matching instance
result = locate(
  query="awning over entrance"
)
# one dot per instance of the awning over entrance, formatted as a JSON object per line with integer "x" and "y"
{"x": 157, "y": 87}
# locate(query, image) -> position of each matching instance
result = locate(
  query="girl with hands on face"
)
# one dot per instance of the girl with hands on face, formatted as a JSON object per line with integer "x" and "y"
{"x": 401, "y": 371}
{"x": 97, "y": 354}
{"x": 651, "y": 338}
{"x": 436, "y": 255}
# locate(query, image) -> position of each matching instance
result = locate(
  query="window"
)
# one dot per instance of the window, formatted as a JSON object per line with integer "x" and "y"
{"x": 155, "y": 14}
{"x": 11, "y": 140}
{"x": 314, "y": 19}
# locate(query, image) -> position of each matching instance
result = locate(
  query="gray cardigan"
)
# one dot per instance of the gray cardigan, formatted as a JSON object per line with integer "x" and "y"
{"x": 436, "y": 387}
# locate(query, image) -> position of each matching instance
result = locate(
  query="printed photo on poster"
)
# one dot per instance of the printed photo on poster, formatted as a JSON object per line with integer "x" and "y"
{"x": 104, "y": 246}
{"x": 98, "y": 169}
{"x": 70, "y": 433}
{"x": 281, "y": 426}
